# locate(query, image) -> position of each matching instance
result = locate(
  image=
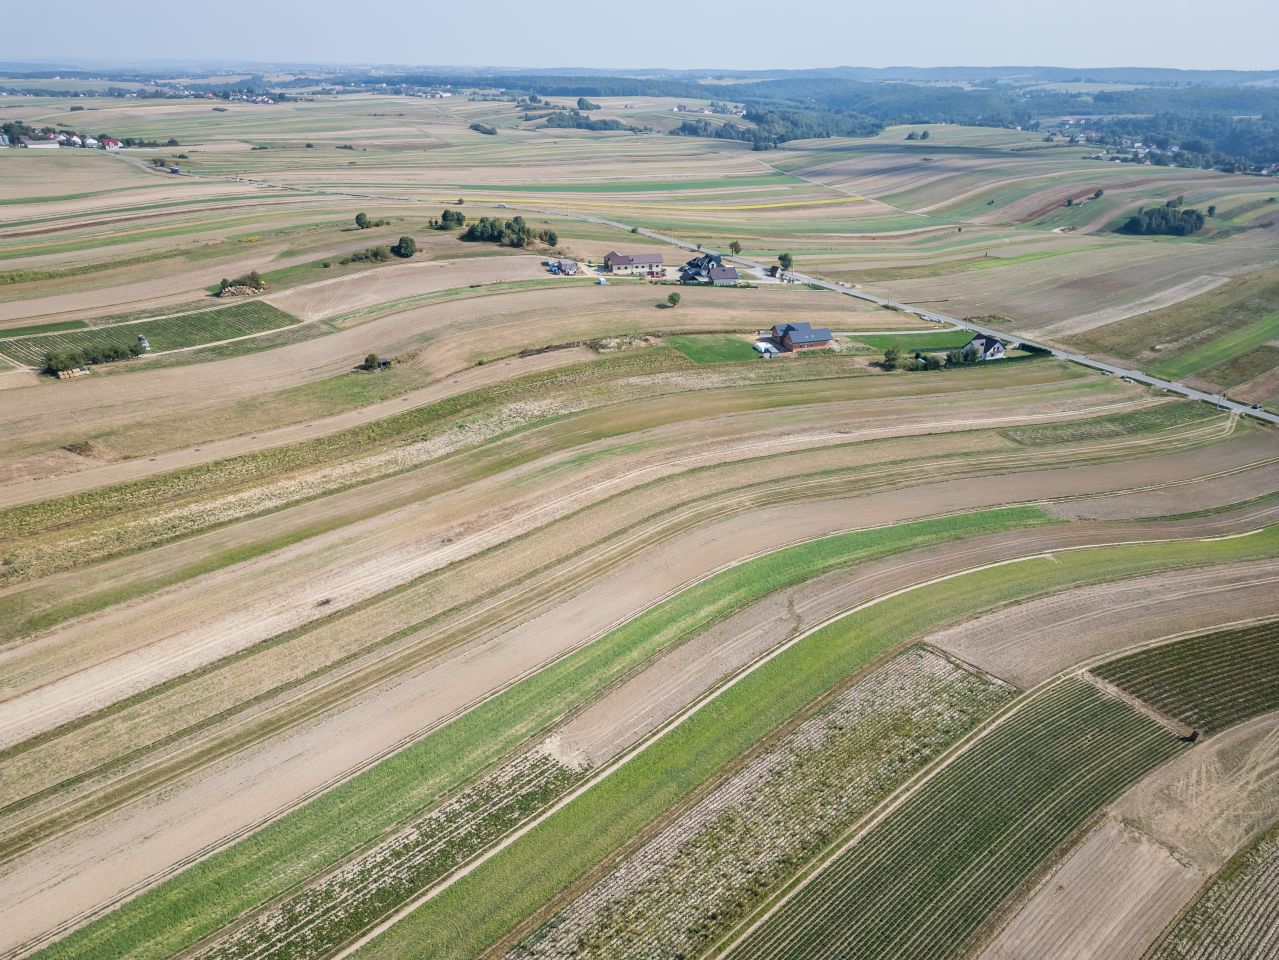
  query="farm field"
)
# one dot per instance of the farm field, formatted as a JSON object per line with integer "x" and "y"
{"x": 570, "y": 626}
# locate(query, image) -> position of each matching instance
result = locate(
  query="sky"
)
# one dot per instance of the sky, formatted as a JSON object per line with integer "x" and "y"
{"x": 747, "y": 34}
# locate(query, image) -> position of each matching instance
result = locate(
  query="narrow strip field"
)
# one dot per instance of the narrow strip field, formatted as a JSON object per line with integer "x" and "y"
{"x": 1237, "y": 918}
{"x": 921, "y": 882}
{"x": 169, "y": 333}
{"x": 723, "y": 856}
{"x": 505, "y": 890}
{"x": 1211, "y": 681}
{"x": 214, "y": 892}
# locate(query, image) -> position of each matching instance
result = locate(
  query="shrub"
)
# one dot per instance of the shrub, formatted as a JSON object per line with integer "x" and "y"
{"x": 485, "y": 129}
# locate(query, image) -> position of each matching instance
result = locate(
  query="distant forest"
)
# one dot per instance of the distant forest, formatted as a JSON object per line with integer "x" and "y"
{"x": 1221, "y": 119}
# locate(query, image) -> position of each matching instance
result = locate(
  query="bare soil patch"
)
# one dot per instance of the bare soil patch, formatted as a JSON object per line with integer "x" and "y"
{"x": 1029, "y": 643}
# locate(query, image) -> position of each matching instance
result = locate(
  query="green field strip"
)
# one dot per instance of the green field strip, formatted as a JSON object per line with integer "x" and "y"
{"x": 925, "y": 340}
{"x": 1237, "y": 916}
{"x": 643, "y": 186}
{"x": 480, "y": 907}
{"x": 921, "y": 882}
{"x": 1219, "y": 350}
{"x": 9, "y": 333}
{"x": 1165, "y": 416}
{"x": 1211, "y": 681}
{"x": 712, "y": 348}
{"x": 170, "y": 333}
{"x": 215, "y": 891}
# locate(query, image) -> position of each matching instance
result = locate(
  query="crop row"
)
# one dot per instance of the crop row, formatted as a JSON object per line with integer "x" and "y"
{"x": 523, "y": 878}
{"x": 1211, "y": 681}
{"x": 322, "y": 916}
{"x": 169, "y": 333}
{"x": 719, "y": 860}
{"x": 171, "y": 916}
{"x": 1237, "y": 918}
{"x": 923, "y": 881}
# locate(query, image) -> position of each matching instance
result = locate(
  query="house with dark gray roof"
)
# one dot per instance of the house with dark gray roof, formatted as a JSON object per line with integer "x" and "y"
{"x": 985, "y": 348}
{"x": 801, "y": 336}
{"x": 708, "y": 268}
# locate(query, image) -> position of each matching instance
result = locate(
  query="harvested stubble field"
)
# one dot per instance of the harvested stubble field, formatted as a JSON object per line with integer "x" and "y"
{"x": 580, "y": 631}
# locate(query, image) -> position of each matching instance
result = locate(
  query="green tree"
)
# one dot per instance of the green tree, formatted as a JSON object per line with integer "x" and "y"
{"x": 892, "y": 358}
{"x": 405, "y": 248}
{"x": 1212, "y": 209}
{"x": 932, "y": 361}
{"x": 370, "y": 362}
{"x": 786, "y": 261}
{"x": 362, "y": 220}
{"x": 955, "y": 358}
{"x": 734, "y": 248}
{"x": 673, "y": 299}
{"x": 1098, "y": 193}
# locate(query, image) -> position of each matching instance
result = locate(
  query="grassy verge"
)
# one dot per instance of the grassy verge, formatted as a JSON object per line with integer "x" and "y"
{"x": 215, "y": 891}
{"x": 511, "y": 886}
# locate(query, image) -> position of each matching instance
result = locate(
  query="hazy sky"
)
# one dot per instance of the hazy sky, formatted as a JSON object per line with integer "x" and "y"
{"x": 755, "y": 34}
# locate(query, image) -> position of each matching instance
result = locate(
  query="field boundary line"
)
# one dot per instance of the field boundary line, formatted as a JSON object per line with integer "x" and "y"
{"x": 699, "y": 705}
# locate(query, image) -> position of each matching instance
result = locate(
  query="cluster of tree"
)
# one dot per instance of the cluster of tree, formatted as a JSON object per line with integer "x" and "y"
{"x": 1167, "y": 220}
{"x": 896, "y": 359}
{"x": 363, "y": 222}
{"x": 379, "y": 254}
{"x": 253, "y": 280}
{"x": 584, "y": 104}
{"x": 13, "y": 129}
{"x": 773, "y": 126}
{"x": 58, "y": 360}
{"x": 1203, "y": 140}
{"x": 448, "y": 220}
{"x": 485, "y": 129}
{"x": 554, "y": 85}
{"x": 576, "y": 120}
{"x": 509, "y": 233}
{"x": 918, "y": 135}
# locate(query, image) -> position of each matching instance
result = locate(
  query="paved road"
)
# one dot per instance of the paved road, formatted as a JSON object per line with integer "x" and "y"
{"x": 1136, "y": 375}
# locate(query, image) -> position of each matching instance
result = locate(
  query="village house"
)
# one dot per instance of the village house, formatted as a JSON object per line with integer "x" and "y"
{"x": 799, "y": 336}
{"x": 634, "y": 264}
{"x": 985, "y": 348}
{"x": 708, "y": 268}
